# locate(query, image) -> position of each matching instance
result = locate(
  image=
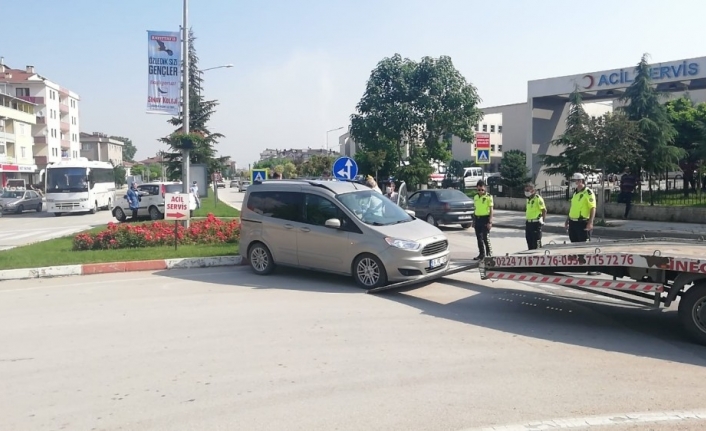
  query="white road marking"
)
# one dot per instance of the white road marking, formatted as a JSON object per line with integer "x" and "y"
{"x": 601, "y": 421}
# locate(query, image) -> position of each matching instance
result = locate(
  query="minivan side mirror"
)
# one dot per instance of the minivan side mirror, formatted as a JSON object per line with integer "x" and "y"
{"x": 333, "y": 223}
{"x": 411, "y": 213}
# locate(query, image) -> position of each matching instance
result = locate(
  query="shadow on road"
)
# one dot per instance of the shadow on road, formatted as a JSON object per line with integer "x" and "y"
{"x": 597, "y": 324}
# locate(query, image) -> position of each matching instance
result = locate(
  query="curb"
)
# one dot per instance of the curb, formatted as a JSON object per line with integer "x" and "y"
{"x": 113, "y": 267}
{"x": 607, "y": 232}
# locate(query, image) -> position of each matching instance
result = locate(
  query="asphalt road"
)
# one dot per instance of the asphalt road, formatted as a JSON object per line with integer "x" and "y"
{"x": 224, "y": 349}
{"x": 30, "y": 227}
{"x": 296, "y": 351}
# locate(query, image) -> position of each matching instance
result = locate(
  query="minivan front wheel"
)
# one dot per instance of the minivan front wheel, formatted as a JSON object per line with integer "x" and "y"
{"x": 260, "y": 259}
{"x": 369, "y": 272}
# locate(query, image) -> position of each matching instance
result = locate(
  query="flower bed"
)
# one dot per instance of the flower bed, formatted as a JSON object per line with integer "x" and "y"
{"x": 209, "y": 231}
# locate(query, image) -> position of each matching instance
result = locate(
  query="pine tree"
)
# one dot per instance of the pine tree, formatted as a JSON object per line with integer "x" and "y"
{"x": 202, "y": 139}
{"x": 574, "y": 141}
{"x": 657, "y": 133}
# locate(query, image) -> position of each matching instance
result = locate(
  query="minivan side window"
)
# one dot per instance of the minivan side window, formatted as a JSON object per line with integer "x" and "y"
{"x": 279, "y": 205}
{"x": 319, "y": 209}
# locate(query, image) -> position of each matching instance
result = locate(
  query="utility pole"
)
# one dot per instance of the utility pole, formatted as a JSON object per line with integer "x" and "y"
{"x": 185, "y": 154}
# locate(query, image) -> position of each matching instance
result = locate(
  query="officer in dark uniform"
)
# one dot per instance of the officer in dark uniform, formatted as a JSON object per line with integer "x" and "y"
{"x": 582, "y": 211}
{"x": 483, "y": 220}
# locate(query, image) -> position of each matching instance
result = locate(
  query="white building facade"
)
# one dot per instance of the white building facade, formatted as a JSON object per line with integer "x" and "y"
{"x": 57, "y": 125}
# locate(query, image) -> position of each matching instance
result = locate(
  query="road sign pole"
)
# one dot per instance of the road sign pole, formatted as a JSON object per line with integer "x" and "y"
{"x": 176, "y": 233}
{"x": 185, "y": 155}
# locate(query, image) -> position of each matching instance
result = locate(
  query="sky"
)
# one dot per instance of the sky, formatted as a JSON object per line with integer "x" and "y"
{"x": 300, "y": 66}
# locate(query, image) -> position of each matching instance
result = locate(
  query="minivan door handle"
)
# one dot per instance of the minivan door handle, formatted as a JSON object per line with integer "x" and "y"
{"x": 288, "y": 226}
{"x": 305, "y": 229}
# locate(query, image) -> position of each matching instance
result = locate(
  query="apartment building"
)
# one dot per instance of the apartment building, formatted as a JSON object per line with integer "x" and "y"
{"x": 17, "y": 118}
{"x": 295, "y": 154}
{"x": 98, "y": 146}
{"x": 56, "y": 129}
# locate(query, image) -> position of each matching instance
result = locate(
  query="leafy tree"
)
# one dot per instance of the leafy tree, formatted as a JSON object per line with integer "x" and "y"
{"x": 290, "y": 170}
{"x": 279, "y": 169}
{"x": 120, "y": 175}
{"x": 573, "y": 142}
{"x": 657, "y": 133}
{"x": 371, "y": 161}
{"x": 689, "y": 121}
{"x": 410, "y": 110}
{"x": 129, "y": 149}
{"x": 513, "y": 169}
{"x": 456, "y": 168}
{"x": 202, "y": 150}
{"x": 316, "y": 165}
{"x": 614, "y": 144}
{"x": 270, "y": 163}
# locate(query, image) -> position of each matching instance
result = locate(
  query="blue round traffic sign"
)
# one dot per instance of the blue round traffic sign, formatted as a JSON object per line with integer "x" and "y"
{"x": 345, "y": 168}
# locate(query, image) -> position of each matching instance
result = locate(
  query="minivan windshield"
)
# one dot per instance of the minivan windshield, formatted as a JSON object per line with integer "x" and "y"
{"x": 373, "y": 208}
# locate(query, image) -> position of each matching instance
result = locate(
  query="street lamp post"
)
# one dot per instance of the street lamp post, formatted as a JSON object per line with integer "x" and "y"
{"x": 185, "y": 154}
{"x": 329, "y": 131}
{"x": 225, "y": 66}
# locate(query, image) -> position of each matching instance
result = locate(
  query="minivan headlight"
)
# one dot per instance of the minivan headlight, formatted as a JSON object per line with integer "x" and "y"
{"x": 403, "y": 243}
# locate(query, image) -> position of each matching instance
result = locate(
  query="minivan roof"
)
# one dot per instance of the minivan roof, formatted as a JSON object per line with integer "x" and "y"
{"x": 336, "y": 187}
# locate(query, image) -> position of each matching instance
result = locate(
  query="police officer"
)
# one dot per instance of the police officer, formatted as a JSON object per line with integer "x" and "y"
{"x": 582, "y": 211}
{"x": 535, "y": 213}
{"x": 483, "y": 220}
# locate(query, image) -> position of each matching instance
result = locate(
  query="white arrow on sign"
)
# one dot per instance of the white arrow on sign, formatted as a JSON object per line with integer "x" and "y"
{"x": 346, "y": 172}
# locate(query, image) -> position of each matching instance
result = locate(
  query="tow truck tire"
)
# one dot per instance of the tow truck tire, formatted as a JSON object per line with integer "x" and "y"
{"x": 692, "y": 311}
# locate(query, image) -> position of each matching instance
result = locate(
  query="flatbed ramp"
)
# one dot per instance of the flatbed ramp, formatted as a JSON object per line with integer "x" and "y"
{"x": 454, "y": 267}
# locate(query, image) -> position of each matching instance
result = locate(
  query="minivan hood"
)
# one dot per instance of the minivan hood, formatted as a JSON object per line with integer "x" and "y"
{"x": 414, "y": 230}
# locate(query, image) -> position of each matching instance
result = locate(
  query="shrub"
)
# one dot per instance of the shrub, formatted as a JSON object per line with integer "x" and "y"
{"x": 212, "y": 230}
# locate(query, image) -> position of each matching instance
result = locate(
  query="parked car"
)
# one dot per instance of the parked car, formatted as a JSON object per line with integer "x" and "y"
{"x": 234, "y": 184}
{"x": 471, "y": 176}
{"x": 151, "y": 200}
{"x": 338, "y": 227}
{"x": 442, "y": 207}
{"x": 243, "y": 186}
{"x": 19, "y": 201}
{"x": 221, "y": 184}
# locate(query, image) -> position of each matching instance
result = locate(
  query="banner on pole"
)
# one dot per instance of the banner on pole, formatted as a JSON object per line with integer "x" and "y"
{"x": 164, "y": 72}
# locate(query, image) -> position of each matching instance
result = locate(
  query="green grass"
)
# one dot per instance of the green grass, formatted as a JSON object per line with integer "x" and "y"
{"x": 59, "y": 252}
{"x": 208, "y": 205}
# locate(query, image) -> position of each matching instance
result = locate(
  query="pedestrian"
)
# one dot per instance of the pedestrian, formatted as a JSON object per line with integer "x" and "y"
{"x": 535, "y": 213}
{"x": 195, "y": 192}
{"x": 628, "y": 183}
{"x": 133, "y": 200}
{"x": 582, "y": 211}
{"x": 391, "y": 193}
{"x": 483, "y": 220}
{"x": 370, "y": 182}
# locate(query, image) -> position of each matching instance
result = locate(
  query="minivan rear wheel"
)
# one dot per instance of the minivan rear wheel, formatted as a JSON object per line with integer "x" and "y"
{"x": 369, "y": 272}
{"x": 260, "y": 259}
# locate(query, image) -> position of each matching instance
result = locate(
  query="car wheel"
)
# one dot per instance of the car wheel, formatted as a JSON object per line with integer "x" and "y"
{"x": 95, "y": 207}
{"x": 260, "y": 259}
{"x": 466, "y": 225}
{"x": 119, "y": 214}
{"x": 20, "y": 209}
{"x": 431, "y": 220}
{"x": 39, "y": 207}
{"x": 154, "y": 213}
{"x": 369, "y": 272}
{"x": 57, "y": 214}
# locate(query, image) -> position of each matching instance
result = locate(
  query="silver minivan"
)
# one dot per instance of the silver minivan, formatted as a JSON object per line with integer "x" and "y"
{"x": 338, "y": 227}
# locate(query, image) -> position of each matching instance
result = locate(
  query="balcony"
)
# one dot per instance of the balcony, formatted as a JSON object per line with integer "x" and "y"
{"x": 41, "y": 120}
{"x": 7, "y": 137}
{"x": 32, "y": 99}
{"x": 40, "y": 140}
{"x": 40, "y": 161}
{"x": 63, "y": 108}
{"x": 63, "y": 92}
{"x": 65, "y": 144}
{"x": 65, "y": 127}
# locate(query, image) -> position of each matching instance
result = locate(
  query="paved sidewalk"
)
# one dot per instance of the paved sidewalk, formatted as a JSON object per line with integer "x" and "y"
{"x": 618, "y": 228}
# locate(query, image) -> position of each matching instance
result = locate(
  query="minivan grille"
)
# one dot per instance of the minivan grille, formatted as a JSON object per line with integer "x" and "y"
{"x": 435, "y": 247}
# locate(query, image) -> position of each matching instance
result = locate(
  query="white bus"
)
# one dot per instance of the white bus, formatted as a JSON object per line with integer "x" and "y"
{"x": 79, "y": 185}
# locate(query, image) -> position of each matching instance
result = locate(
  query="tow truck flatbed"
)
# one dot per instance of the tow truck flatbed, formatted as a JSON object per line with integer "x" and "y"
{"x": 659, "y": 269}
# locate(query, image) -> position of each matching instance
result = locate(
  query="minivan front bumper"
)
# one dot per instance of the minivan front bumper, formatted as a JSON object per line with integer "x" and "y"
{"x": 403, "y": 265}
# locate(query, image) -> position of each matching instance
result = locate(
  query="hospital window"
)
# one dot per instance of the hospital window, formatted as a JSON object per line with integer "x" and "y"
{"x": 485, "y": 127}
{"x": 492, "y": 128}
{"x": 500, "y": 129}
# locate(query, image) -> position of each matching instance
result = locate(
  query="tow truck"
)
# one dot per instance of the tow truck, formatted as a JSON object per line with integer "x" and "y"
{"x": 658, "y": 270}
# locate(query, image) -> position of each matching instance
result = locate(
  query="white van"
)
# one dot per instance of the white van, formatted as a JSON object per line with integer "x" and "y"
{"x": 471, "y": 176}
{"x": 151, "y": 200}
